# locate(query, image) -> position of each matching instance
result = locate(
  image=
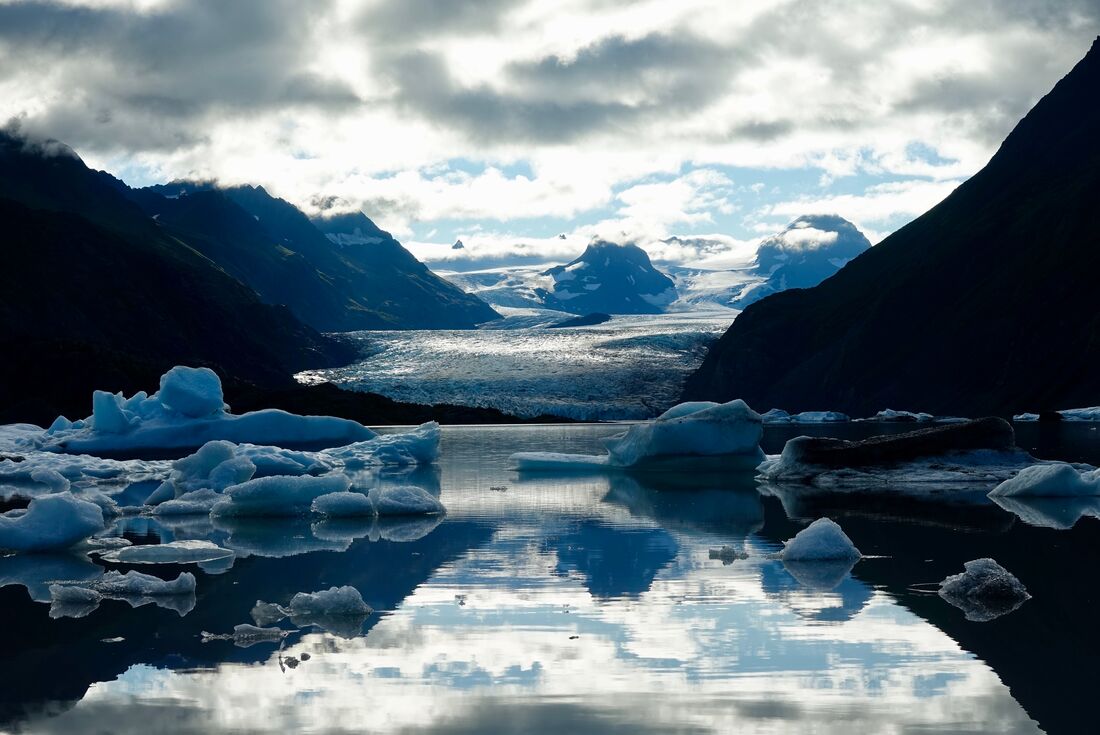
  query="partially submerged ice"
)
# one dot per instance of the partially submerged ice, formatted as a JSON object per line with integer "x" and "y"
{"x": 187, "y": 412}
{"x": 50, "y": 523}
{"x": 174, "y": 552}
{"x": 985, "y": 591}
{"x": 978, "y": 451}
{"x": 279, "y": 495}
{"x": 822, "y": 540}
{"x": 1050, "y": 480}
{"x": 246, "y": 634}
{"x": 344, "y": 505}
{"x": 404, "y": 500}
{"x": 340, "y": 610}
{"x": 698, "y": 429}
{"x": 77, "y": 599}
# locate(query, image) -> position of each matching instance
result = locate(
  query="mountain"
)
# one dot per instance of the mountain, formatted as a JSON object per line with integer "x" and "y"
{"x": 808, "y": 251}
{"x": 984, "y": 304}
{"x": 609, "y": 278}
{"x": 97, "y": 295}
{"x": 399, "y": 285}
{"x": 805, "y": 253}
{"x": 340, "y": 273}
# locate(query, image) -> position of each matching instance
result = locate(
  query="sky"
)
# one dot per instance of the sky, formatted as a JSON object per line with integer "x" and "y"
{"x": 509, "y": 124}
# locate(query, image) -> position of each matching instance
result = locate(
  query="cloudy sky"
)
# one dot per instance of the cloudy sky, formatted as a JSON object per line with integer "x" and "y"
{"x": 507, "y": 123}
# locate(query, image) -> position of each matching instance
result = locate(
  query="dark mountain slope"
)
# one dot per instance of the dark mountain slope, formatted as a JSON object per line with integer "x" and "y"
{"x": 371, "y": 281}
{"x": 96, "y": 295}
{"x": 985, "y": 304}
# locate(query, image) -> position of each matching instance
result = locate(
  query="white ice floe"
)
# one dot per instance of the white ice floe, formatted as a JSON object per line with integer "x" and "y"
{"x": 279, "y": 495}
{"x": 1051, "y": 480}
{"x": 245, "y": 635}
{"x": 76, "y": 599}
{"x": 892, "y": 415}
{"x": 196, "y": 502}
{"x": 344, "y": 505}
{"x": 188, "y": 412}
{"x": 700, "y": 429}
{"x": 340, "y": 610}
{"x": 174, "y": 552}
{"x": 985, "y": 591}
{"x": 415, "y": 447}
{"x": 404, "y": 500}
{"x": 1070, "y": 414}
{"x": 820, "y": 417}
{"x": 51, "y": 478}
{"x": 822, "y": 540}
{"x": 50, "y": 522}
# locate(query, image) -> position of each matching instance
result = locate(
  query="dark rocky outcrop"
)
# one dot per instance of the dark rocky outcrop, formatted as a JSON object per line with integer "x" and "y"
{"x": 988, "y": 433}
{"x": 609, "y": 278}
{"x": 984, "y": 305}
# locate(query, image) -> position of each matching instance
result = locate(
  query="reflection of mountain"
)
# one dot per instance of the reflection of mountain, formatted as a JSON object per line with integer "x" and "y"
{"x": 691, "y": 501}
{"x": 56, "y": 661}
{"x": 615, "y": 562}
{"x": 1045, "y": 651}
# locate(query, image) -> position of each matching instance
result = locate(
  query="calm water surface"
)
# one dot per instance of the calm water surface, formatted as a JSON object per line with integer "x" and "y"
{"x": 550, "y": 604}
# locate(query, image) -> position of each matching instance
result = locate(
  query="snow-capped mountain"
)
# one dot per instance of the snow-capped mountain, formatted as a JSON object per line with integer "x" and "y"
{"x": 610, "y": 278}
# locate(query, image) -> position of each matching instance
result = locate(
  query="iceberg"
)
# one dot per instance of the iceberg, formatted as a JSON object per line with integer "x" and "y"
{"x": 76, "y": 599}
{"x": 414, "y": 447}
{"x": 699, "y": 429}
{"x": 978, "y": 451}
{"x": 174, "y": 552}
{"x": 187, "y": 412}
{"x": 245, "y": 635}
{"x": 344, "y": 505}
{"x": 279, "y": 495}
{"x": 820, "y": 417}
{"x": 822, "y": 540}
{"x": 404, "y": 500}
{"x": 1050, "y": 480}
{"x": 1070, "y": 414}
{"x": 776, "y": 416}
{"x": 339, "y": 610}
{"x": 985, "y": 591}
{"x": 902, "y": 416}
{"x": 50, "y": 523}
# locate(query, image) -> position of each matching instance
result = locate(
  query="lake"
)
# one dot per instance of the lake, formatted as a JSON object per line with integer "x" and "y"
{"x": 584, "y": 604}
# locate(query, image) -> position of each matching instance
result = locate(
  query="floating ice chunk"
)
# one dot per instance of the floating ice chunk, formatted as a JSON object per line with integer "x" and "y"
{"x": 728, "y": 428}
{"x": 193, "y": 392}
{"x": 1070, "y": 414}
{"x": 175, "y": 552}
{"x": 339, "y": 610}
{"x": 59, "y": 424}
{"x": 245, "y": 635}
{"x": 136, "y": 584}
{"x": 72, "y": 602}
{"x": 188, "y": 412}
{"x": 75, "y": 599}
{"x": 418, "y": 446}
{"x": 985, "y": 591}
{"x": 271, "y": 461}
{"x": 776, "y": 416}
{"x": 344, "y": 505}
{"x": 699, "y": 429}
{"x": 278, "y": 496}
{"x": 36, "y": 572}
{"x": 1053, "y": 480}
{"x": 51, "y": 478}
{"x": 197, "y": 502}
{"x": 105, "y": 502}
{"x": 822, "y": 540}
{"x": 891, "y": 415}
{"x": 404, "y": 500}
{"x": 215, "y": 466}
{"x": 51, "y": 522}
{"x": 820, "y": 417}
{"x": 727, "y": 554}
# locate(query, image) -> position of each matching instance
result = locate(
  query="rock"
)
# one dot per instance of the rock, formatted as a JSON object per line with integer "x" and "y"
{"x": 988, "y": 433}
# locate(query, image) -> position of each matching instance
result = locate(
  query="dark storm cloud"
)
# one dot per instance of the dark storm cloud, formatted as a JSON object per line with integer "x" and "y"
{"x": 148, "y": 81}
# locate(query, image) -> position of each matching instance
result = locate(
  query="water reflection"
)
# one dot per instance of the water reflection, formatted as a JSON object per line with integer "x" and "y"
{"x": 587, "y": 604}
